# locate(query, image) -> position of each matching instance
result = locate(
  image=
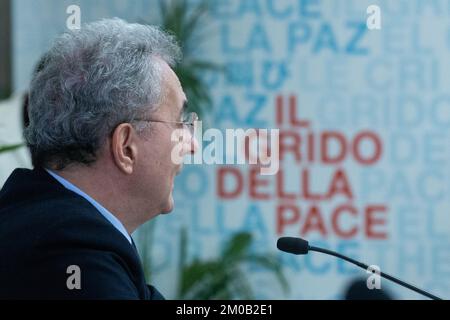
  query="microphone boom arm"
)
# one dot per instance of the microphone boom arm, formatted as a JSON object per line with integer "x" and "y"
{"x": 384, "y": 275}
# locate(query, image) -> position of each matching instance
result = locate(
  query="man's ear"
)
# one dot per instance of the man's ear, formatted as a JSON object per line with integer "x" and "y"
{"x": 124, "y": 148}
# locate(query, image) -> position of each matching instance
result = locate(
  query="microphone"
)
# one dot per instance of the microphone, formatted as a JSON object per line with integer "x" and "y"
{"x": 300, "y": 246}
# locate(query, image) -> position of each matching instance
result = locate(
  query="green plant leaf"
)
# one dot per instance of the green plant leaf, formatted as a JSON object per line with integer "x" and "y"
{"x": 223, "y": 277}
{"x": 201, "y": 65}
{"x": 237, "y": 247}
{"x": 198, "y": 273}
{"x": 185, "y": 22}
{"x": 8, "y": 148}
{"x": 271, "y": 263}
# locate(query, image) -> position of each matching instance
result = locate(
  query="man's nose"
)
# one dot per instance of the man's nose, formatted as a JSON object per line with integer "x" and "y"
{"x": 194, "y": 145}
{"x": 190, "y": 143}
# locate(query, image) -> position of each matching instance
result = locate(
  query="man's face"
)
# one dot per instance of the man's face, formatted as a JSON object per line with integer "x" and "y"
{"x": 155, "y": 167}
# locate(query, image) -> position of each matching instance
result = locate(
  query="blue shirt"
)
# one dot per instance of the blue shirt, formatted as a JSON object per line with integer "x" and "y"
{"x": 108, "y": 215}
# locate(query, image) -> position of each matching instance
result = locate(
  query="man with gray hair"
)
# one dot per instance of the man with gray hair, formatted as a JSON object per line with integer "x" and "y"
{"x": 103, "y": 107}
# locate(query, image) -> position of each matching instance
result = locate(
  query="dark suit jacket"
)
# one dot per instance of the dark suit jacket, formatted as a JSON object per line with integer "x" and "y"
{"x": 45, "y": 228}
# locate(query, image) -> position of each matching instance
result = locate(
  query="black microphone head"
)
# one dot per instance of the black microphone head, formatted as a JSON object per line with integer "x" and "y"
{"x": 293, "y": 245}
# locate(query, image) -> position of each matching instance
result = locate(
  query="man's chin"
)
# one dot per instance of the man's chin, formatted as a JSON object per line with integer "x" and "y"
{"x": 169, "y": 207}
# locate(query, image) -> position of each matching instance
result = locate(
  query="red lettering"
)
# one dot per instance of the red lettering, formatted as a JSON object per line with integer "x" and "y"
{"x": 314, "y": 222}
{"x": 279, "y": 113}
{"x": 255, "y": 183}
{"x": 283, "y": 219}
{"x": 335, "y": 221}
{"x": 294, "y": 147}
{"x": 372, "y": 221}
{"x": 325, "y": 140}
{"x": 295, "y": 122}
{"x": 239, "y": 183}
{"x": 357, "y": 148}
{"x": 307, "y": 194}
{"x": 340, "y": 184}
{"x": 280, "y": 187}
{"x": 311, "y": 149}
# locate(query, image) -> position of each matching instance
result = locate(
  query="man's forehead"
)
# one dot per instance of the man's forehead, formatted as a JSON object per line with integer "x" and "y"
{"x": 173, "y": 88}
{"x": 175, "y": 82}
{"x": 173, "y": 78}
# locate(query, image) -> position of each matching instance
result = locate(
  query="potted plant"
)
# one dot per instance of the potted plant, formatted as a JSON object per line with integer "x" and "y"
{"x": 224, "y": 277}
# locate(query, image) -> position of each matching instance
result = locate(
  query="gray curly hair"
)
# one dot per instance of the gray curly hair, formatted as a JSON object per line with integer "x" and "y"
{"x": 90, "y": 81}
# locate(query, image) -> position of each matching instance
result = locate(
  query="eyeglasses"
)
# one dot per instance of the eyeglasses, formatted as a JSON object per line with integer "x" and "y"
{"x": 188, "y": 121}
